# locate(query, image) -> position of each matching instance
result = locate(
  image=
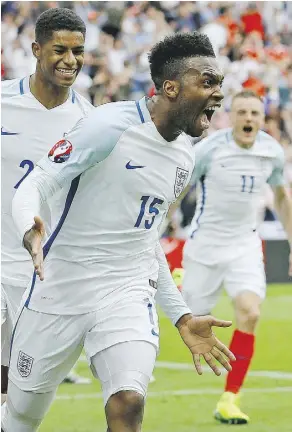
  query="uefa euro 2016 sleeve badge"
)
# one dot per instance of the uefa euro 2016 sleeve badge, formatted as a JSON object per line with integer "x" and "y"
{"x": 24, "y": 364}
{"x": 61, "y": 151}
{"x": 180, "y": 181}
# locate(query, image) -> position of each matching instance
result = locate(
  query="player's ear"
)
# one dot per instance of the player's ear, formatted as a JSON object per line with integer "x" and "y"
{"x": 171, "y": 88}
{"x": 36, "y": 50}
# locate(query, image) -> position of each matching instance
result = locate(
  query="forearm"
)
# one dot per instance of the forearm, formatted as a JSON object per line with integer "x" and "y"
{"x": 29, "y": 198}
{"x": 283, "y": 206}
{"x": 168, "y": 296}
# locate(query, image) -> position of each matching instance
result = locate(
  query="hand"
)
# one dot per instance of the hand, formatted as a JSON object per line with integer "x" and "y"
{"x": 197, "y": 334}
{"x": 32, "y": 241}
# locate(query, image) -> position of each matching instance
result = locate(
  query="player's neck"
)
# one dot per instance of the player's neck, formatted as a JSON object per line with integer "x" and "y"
{"x": 47, "y": 94}
{"x": 160, "y": 116}
{"x": 241, "y": 144}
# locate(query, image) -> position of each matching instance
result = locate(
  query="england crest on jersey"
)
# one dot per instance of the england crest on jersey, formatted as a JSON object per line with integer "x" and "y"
{"x": 24, "y": 364}
{"x": 180, "y": 181}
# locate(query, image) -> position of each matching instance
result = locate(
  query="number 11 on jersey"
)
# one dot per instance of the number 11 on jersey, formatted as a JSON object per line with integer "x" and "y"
{"x": 152, "y": 209}
{"x": 247, "y": 183}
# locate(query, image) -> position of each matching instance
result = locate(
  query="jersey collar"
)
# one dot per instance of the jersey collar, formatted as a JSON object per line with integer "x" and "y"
{"x": 144, "y": 109}
{"x": 25, "y": 88}
{"x": 24, "y": 85}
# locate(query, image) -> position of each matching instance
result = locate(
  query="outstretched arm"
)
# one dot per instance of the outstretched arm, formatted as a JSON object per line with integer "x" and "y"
{"x": 168, "y": 296}
{"x": 33, "y": 192}
{"x": 283, "y": 202}
{"x": 196, "y": 332}
{"x": 283, "y": 205}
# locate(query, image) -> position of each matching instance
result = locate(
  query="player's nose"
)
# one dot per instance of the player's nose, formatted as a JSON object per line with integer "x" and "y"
{"x": 69, "y": 59}
{"x": 248, "y": 116}
{"x": 218, "y": 94}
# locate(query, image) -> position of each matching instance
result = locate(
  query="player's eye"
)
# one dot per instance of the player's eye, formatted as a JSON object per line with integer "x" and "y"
{"x": 59, "y": 51}
{"x": 78, "y": 52}
{"x": 207, "y": 82}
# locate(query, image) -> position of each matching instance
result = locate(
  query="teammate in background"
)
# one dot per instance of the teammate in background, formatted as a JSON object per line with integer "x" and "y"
{"x": 232, "y": 167}
{"x": 104, "y": 263}
{"x": 35, "y": 110}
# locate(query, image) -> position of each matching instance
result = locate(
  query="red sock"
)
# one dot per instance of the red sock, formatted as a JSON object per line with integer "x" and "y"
{"x": 242, "y": 346}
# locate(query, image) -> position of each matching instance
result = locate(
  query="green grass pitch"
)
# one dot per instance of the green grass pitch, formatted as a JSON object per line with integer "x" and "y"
{"x": 181, "y": 401}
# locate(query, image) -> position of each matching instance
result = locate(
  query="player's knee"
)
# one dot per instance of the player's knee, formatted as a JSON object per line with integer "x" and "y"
{"x": 20, "y": 417}
{"x": 249, "y": 317}
{"x": 25, "y": 410}
{"x": 247, "y": 307}
{"x": 127, "y": 406}
{"x": 253, "y": 315}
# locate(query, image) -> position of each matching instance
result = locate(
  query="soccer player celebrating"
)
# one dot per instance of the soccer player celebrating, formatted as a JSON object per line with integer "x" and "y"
{"x": 35, "y": 110}
{"x": 125, "y": 163}
{"x": 232, "y": 168}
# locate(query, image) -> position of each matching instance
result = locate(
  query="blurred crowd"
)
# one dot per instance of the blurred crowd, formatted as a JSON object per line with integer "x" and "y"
{"x": 253, "y": 43}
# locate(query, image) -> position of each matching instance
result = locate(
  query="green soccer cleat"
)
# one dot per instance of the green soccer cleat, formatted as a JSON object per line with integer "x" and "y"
{"x": 228, "y": 411}
{"x": 178, "y": 275}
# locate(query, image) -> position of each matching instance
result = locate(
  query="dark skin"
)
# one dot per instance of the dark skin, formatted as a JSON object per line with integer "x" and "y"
{"x": 179, "y": 104}
{"x": 64, "y": 52}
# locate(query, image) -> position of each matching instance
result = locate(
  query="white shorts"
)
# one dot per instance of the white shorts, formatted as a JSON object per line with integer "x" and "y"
{"x": 202, "y": 283}
{"x": 45, "y": 347}
{"x": 10, "y": 302}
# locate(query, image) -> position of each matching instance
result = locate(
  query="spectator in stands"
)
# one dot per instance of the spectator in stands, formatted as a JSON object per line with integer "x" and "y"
{"x": 253, "y": 41}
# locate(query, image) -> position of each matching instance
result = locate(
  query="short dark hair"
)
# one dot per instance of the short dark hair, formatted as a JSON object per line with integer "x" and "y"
{"x": 246, "y": 94}
{"x": 57, "y": 19}
{"x": 167, "y": 56}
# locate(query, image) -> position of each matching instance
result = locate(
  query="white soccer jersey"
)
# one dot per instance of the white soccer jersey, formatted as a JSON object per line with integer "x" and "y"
{"x": 231, "y": 181}
{"x": 27, "y": 130}
{"x": 124, "y": 177}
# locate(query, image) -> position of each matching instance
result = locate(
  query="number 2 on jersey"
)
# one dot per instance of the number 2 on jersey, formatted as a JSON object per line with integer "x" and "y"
{"x": 30, "y": 166}
{"x": 152, "y": 209}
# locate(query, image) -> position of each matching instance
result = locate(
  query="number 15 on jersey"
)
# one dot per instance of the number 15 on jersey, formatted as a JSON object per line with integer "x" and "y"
{"x": 152, "y": 209}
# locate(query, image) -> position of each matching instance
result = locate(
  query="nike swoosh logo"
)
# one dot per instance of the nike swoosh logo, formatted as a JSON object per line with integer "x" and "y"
{"x": 3, "y": 132}
{"x": 129, "y": 166}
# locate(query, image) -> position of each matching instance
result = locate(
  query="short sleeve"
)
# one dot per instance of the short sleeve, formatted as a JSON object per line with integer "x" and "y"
{"x": 277, "y": 176}
{"x": 90, "y": 141}
{"x": 202, "y": 154}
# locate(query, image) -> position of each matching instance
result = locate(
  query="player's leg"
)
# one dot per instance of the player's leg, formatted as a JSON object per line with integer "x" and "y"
{"x": 4, "y": 383}
{"x": 201, "y": 285}
{"x": 246, "y": 285}
{"x": 25, "y": 410}
{"x": 10, "y": 301}
{"x": 122, "y": 349}
{"x": 40, "y": 359}
{"x": 124, "y": 371}
{"x": 4, "y": 347}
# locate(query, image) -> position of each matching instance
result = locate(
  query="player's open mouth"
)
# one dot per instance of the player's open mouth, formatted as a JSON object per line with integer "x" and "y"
{"x": 207, "y": 115}
{"x": 247, "y": 129}
{"x": 66, "y": 72}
